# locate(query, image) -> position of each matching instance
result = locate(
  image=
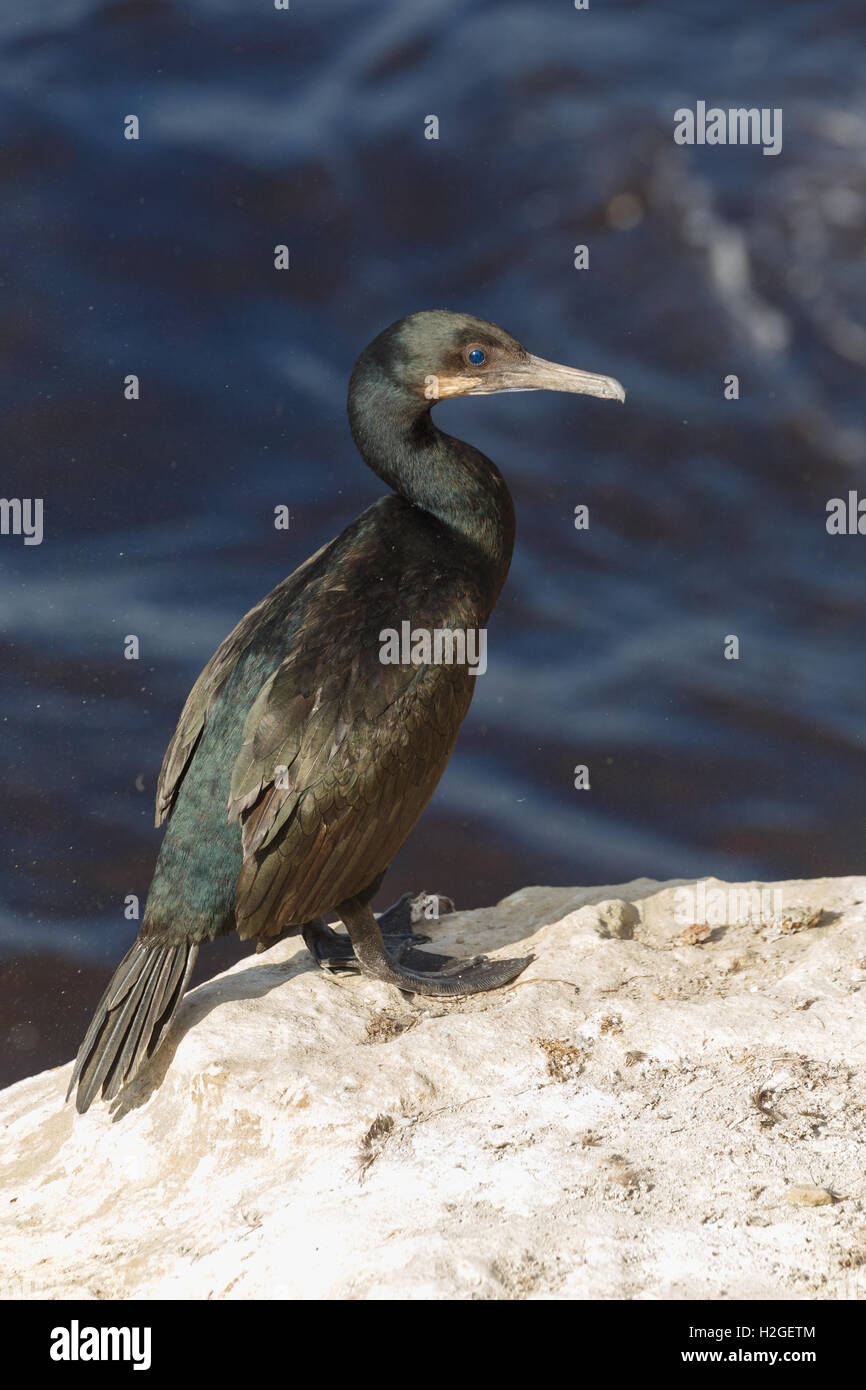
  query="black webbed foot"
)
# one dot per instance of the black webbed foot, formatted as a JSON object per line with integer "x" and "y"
{"x": 421, "y": 972}
{"x": 333, "y": 950}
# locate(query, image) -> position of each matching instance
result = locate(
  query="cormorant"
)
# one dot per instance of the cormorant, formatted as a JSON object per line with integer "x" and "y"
{"x": 302, "y": 760}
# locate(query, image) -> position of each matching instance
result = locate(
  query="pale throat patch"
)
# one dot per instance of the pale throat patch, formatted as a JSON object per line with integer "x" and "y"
{"x": 439, "y": 388}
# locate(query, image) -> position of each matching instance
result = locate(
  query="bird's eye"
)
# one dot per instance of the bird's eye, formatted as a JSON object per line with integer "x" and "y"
{"x": 477, "y": 356}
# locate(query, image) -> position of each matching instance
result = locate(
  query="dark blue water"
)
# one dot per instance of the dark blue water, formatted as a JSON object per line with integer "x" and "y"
{"x": 155, "y": 257}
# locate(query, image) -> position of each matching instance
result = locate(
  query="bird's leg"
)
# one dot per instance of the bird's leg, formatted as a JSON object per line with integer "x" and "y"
{"x": 329, "y": 949}
{"x": 421, "y": 972}
{"x": 333, "y": 950}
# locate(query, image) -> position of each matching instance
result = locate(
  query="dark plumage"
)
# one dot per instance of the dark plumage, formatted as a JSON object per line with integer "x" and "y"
{"x": 301, "y": 762}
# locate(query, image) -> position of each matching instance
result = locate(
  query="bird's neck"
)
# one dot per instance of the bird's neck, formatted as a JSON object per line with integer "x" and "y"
{"x": 444, "y": 476}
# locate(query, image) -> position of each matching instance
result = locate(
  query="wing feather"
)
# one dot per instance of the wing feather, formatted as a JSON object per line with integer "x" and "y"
{"x": 212, "y": 681}
{"x": 339, "y": 752}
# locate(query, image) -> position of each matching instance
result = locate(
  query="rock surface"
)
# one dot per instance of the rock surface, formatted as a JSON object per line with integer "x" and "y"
{"x": 639, "y": 1116}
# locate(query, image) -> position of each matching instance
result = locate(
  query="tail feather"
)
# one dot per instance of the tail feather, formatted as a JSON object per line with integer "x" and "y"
{"x": 152, "y": 1018}
{"x": 100, "y": 1067}
{"x": 120, "y": 982}
{"x": 131, "y": 1019}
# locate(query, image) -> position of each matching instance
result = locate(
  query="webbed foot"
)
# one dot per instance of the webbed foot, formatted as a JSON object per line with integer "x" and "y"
{"x": 421, "y": 972}
{"x": 333, "y": 950}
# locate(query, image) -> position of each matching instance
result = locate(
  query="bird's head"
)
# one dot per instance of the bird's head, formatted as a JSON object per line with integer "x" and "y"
{"x": 437, "y": 354}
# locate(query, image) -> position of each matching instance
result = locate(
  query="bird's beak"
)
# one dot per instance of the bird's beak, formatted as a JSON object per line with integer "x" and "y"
{"x": 534, "y": 374}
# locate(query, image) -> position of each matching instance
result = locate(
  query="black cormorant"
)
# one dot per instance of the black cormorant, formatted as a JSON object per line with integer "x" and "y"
{"x": 302, "y": 759}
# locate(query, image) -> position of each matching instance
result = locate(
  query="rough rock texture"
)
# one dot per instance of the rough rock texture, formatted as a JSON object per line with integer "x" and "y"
{"x": 667, "y": 1104}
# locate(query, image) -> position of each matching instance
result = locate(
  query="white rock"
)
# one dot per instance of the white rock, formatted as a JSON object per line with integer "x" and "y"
{"x": 614, "y": 1125}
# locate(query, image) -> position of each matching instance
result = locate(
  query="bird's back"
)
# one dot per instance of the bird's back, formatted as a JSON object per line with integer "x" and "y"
{"x": 322, "y": 755}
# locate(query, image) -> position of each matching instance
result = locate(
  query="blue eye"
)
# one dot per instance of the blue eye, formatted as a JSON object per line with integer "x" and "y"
{"x": 477, "y": 356}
